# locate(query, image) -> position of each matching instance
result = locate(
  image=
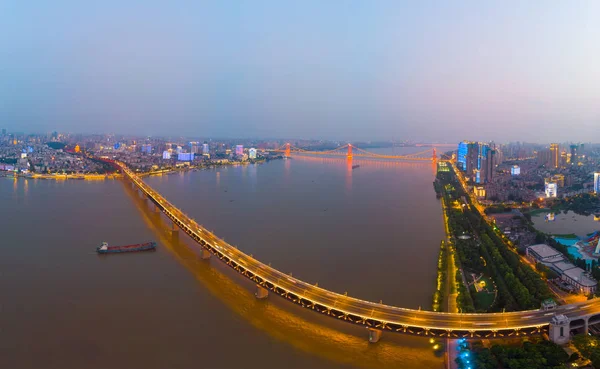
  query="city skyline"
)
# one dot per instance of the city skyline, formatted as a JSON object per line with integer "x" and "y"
{"x": 429, "y": 72}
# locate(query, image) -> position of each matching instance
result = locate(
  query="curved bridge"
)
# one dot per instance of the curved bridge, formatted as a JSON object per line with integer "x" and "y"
{"x": 377, "y": 317}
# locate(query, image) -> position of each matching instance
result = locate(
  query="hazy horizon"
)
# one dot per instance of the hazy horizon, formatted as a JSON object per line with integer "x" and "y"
{"x": 503, "y": 71}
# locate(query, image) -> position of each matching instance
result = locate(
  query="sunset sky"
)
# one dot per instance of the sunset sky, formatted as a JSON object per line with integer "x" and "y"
{"x": 347, "y": 70}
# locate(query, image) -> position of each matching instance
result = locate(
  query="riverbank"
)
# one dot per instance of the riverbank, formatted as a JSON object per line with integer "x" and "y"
{"x": 99, "y": 177}
{"x": 444, "y": 298}
{"x": 190, "y": 168}
{"x": 447, "y": 279}
{"x": 441, "y": 293}
{"x": 62, "y": 177}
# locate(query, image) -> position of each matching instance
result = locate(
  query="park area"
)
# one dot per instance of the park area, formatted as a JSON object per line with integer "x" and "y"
{"x": 483, "y": 291}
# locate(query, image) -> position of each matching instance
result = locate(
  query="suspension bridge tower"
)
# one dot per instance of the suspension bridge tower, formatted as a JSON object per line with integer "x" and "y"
{"x": 434, "y": 155}
{"x": 287, "y": 150}
{"x": 349, "y": 151}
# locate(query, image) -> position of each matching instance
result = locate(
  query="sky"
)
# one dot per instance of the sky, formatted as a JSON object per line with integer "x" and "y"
{"x": 343, "y": 70}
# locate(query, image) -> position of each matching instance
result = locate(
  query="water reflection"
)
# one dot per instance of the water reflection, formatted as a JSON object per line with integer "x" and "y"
{"x": 565, "y": 223}
{"x": 287, "y": 169}
{"x": 349, "y": 169}
{"x": 252, "y": 175}
{"x": 303, "y": 329}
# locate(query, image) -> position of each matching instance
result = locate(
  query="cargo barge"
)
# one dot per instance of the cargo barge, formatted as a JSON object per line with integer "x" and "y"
{"x": 105, "y": 249}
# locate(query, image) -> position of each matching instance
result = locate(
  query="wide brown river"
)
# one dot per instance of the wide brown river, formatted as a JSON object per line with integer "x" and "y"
{"x": 373, "y": 231}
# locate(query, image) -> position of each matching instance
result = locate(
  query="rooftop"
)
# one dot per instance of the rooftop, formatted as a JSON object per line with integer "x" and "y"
{"x": 544, "y": 251}
{"x": 578, "y": 274}
{"x": 562, "y": 266}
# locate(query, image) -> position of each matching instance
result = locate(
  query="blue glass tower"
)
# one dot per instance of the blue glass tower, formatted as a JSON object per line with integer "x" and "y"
{"x": 463, "y": 148}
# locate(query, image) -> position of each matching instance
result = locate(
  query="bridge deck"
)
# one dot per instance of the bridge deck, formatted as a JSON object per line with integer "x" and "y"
{"x": 369, "y": 314}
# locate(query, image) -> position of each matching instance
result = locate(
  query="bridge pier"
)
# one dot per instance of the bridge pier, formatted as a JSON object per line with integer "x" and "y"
{"x": 586, "y": 322}
{"x": 374, "y": 335}
{"x": 261, "y": 292}
{"x": 205, "y": 254}
{"x": 560, "y": 332}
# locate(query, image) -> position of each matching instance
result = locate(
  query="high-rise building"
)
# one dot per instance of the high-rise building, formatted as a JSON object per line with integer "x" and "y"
{"x": 484, "y": 164}
{"x": 3, "y": 131}
{"x": 252, "y": 153}
{"x": 554, "y": 155}
{"x": 194, "y": 147}
{"x": 564, "y": 159}
{"x": 461, "y": 158}
{"x": 185, "y": 156}
{"x": 239, "y": 150}
{"x": 472, "y": 158}
{"x": 166, "y": 155}
{"x": 597, "y": 183}
{"x": 551, "y": 188}
{"x": 515, "y": 171}
{"x": 147, "y": 148}
{"x": 544, "y": 157}
{"x": 499, "y": 157}
{"x": 490, "y": 165}
{"x": 573, "y": 154}
{"x": 205, "y": 149}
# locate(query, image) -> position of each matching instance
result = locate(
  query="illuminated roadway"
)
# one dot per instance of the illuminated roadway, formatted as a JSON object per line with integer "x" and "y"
{"x": 369, "y": 314}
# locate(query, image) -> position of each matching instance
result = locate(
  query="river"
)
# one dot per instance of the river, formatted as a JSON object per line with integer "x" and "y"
{"x": 373, "y": 231}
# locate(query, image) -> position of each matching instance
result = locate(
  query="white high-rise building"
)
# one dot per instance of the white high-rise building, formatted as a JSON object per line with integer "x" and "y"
{"x": 597, "y": 183}
{"x": 166, "y": 155}
{"x": 194, "y": 147}
{"x": 551, "y": 189}
{"x": 205, "y": 149}
{"x": 252, "y": 153}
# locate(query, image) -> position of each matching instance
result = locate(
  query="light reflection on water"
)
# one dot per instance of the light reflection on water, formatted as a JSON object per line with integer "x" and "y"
{"x": 336, "y": 341}
{"x": 561, "y": 223}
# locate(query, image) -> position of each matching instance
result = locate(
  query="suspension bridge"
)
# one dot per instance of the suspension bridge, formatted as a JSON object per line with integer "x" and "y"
{"x": 350, "y": 151}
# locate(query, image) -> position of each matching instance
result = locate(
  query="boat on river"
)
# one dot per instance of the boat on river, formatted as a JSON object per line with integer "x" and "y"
{"x": 106, "y": 249}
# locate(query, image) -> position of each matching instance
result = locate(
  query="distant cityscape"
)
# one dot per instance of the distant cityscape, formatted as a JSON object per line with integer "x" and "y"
{"x": 56, "y": 154}
{"x": 522, "y": 172}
